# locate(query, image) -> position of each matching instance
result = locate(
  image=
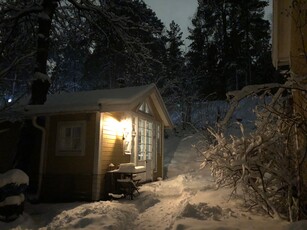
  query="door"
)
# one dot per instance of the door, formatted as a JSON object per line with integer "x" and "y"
{"x": 145, "y": 147}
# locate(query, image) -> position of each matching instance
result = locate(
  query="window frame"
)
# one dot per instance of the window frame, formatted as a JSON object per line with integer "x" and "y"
{"x": 145, "y": 108}
{"x": 61, "y": 128}
{"x": 145, "y": 138}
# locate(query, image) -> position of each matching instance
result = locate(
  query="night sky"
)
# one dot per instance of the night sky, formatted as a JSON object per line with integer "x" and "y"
{"x": 181, "y": 11}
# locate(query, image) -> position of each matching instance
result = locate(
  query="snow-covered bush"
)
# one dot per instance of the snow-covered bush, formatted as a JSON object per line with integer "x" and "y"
{"x": 13, "y": 184}
{"x": 264, "y": 166}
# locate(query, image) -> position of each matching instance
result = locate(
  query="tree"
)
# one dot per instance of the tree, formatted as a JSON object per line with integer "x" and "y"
{"x": 115, "y": 65}
{"x": 175, "y": 84}
{"x": 16, "y": 51}
{"x": 230, "y": 38}
{"x": 69, "y": 48}
{"x": 41, "y": 18}
{"x": 174, "y": 62}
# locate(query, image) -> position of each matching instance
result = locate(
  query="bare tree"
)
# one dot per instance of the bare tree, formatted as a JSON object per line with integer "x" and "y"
{"x": 38, "y": 19}
{"x": 265, "y": 166}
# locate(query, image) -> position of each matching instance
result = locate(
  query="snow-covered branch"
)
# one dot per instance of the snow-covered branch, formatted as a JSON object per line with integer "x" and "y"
{"x": 293, "y": 83}
{"x": 264, "y": 166}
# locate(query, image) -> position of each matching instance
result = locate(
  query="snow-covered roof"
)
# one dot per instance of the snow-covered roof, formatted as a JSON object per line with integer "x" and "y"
{"x": 106, "y": 100}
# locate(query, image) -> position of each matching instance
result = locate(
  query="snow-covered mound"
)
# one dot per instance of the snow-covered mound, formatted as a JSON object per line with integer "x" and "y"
{"x": 106, "y": 215}
{"x": 13, "y": 184}
{"x": 13, "y": 176}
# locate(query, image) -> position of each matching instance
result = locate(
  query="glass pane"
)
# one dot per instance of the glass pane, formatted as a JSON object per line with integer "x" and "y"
{"x": 76, "y": 144}
{"x": 70, "y": 138}
{"x": 67, "y": 132}
{"x": 146, "y": 108}
{"x": 141, "y": 140}
{"x": 76, "y": 132}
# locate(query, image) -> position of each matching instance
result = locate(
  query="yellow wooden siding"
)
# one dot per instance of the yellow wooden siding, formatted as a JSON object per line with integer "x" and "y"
{"x": 71, "y": 164}
{"x": 69, "y": 176}
{"x": 160, "y": 160}
{"x": 299, "y": 67}
{"x": 111, "y": 145}
{"x": 281, "y": 33}
{"x": 299, "y": 38}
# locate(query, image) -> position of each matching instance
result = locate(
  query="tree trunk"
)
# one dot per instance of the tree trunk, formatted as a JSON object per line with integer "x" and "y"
{"x": 28, "y": 150}
{"x": 40, "y": 84}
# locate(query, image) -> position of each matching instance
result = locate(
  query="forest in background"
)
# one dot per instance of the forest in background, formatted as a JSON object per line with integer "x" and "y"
{"x": 86, "y": 45}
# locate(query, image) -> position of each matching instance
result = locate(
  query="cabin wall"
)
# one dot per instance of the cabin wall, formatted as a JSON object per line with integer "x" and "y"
{"x": 281, "y": 33}
{"x": 157, "y": 147}
{"x": 68, "y": 177}
{"x": 9, "y": 136}
{"x": 111, "y": 146}
{"x": 160, "y": 156}
{"x": 160, "y": 151}
{"x": 299, "y": 69}
{"x": 111, "y": 142}
{"x": 299, "y": 38}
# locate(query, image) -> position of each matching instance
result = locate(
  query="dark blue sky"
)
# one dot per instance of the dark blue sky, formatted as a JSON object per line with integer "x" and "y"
{"x": 181, "y": 11}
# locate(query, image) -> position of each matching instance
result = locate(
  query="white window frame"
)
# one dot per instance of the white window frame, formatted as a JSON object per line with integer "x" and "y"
{"x": 145, "y": 138}
{"x": 145, "y": 108}
{"x": 61, "y": 127}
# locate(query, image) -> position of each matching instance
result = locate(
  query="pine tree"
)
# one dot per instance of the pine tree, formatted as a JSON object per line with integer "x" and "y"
{"x": 228, "y": 39}
{"x": 175, "y": 60}
{"x": 175, "y": 87}
{"x": 120, "y": 65}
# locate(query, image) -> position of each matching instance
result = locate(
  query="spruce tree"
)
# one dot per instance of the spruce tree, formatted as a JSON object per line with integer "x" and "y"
{"x": 179, "y": 90}
{"x": 125, "y": 64}
{"x": 229, "y": 38}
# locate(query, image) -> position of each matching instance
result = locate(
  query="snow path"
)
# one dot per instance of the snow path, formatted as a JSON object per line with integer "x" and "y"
{"x": 185, "y": 156}
{"x": 162, "y": 214}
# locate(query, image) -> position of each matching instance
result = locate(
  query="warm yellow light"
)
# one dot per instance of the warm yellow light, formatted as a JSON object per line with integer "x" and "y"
{"x": 126, "y": 125}
{"x": 113, "y": 126}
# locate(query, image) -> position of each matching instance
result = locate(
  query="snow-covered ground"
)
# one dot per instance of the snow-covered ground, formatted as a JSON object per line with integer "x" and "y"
{"x": 187, "y": 199}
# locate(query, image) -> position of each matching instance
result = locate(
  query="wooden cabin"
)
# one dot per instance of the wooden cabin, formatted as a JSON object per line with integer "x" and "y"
{"x": 289, "y": 35}
{"x": 290, "y": 54}
{"x": 89, "y": 133}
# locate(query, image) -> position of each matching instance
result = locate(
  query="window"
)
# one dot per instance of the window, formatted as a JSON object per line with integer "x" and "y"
{"x": 145, "y": 108}
{"x": 145, "y": 139}
{"x": 71, "y": 138}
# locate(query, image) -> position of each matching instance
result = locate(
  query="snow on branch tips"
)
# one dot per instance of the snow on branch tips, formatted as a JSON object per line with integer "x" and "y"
{"x": 265, "y": 165}
{"x": 236, "y": 96}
